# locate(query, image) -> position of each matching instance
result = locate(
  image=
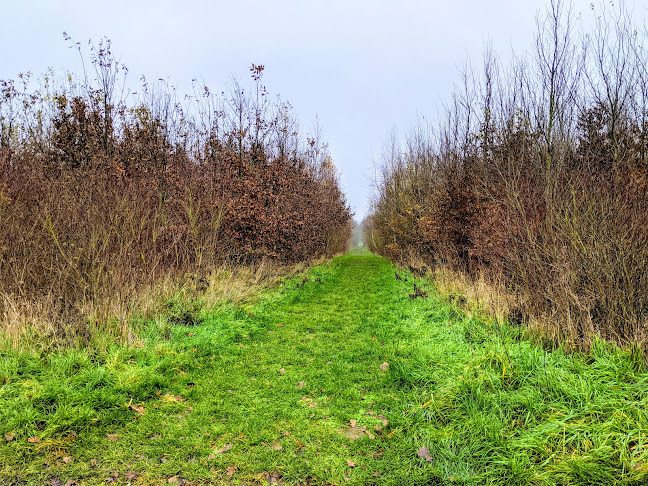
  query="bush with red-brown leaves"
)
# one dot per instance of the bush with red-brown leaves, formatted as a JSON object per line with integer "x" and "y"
{"x": 101, "y": 195}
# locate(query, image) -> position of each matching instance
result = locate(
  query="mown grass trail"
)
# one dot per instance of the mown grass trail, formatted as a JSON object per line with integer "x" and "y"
{"x": 341, "y": 379}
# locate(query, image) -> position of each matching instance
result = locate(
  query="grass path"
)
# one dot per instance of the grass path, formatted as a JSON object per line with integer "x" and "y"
{"x": 342, "y": 379}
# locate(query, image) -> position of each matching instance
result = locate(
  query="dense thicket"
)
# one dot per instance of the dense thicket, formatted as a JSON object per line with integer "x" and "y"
{"x": 538, "y": 177}
{"x": 103, "y": 190}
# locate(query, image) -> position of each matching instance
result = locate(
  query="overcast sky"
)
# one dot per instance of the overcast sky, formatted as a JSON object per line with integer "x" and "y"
{"x": 364, "y": 67}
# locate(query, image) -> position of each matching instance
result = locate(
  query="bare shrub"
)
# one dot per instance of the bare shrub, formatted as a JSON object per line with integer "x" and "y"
{"x": 538, "y": 179}
{"x": 104, "y": 194}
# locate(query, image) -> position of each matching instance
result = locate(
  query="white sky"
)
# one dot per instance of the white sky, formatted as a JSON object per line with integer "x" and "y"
{"x": 363, "y": 66}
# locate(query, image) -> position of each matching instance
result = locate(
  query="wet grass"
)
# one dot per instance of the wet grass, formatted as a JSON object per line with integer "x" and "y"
{"x": 335, "y": 378}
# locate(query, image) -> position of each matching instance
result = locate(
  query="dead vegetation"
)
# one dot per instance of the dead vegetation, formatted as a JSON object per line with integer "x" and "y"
{"x": 536, "y": 184}
{"x": 108, "y": 195}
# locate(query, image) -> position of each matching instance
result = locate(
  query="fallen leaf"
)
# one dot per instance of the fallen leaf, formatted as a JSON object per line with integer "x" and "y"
{"x": 223, "y": 449}
{"x": 211, "y": 457}
{"x": 131, "y": 475}
{"x": 138, "y": 407}
{"x": 67, "y": 459}
{"x": 351, "y": 463}
{"x": 378, "y": 454}
{"x": 9, "y": 436}
{"x": 384, "y": 366}
{"x": 355, "y": 432}
{"x": 231, "y": 470}
{"x": 140, "y": 457}
{"x": 33, "y": 440}
{"x": 112, "y": 436}
{"x": 271, "y": 478}
{"x": 176, "y": 480}
{"x": 172, "y": 398}
{"x": 424, "y": 452}
{"x": 112, "y": 478}
{"x": 300, "y": 384}
{"x": 385, "y": 422}
{"x": 277, "y": 447}
{"x": 353, "y": 422}
{"x": 282, "y": 370}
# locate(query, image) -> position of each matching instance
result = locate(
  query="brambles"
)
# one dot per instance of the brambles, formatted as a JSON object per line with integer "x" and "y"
{"x": 538, "y": 182}
{"x": 102, "y": 197}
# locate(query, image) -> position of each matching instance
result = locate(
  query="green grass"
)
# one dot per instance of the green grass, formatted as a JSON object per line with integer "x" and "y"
{"x": 291, "y": 387}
